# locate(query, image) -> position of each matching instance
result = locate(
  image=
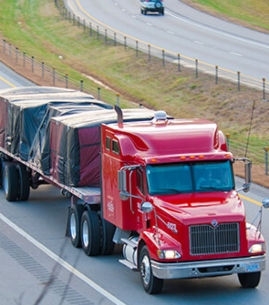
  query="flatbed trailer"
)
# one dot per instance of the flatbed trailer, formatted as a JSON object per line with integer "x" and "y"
{"x": 89, "y": 195}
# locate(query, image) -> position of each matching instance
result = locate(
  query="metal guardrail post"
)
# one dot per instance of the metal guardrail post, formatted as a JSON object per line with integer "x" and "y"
{"x": 263, "y": 88}
{"x": 178, "y": 62}
{"x": 266, "y": 149}
{"x": 118, "y": 99}
{"x": 66, "y": 80}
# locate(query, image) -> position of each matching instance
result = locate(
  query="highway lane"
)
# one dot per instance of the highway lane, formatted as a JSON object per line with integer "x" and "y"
{"x": 9, "y": 79}
{"x": 184, "y": 30}
{"x": 39, "y": 237}
{"x": 35, "y": 230}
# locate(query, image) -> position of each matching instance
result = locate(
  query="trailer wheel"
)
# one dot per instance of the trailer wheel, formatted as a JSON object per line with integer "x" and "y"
{"x": 24, "y": 183}
{"x": 90, "y": 233}
{"x": 249, "y": 280}
{"x": 74, "y": 225}
{"x": 108, "y": 231}
{"x": 151, "y": 284}
{"x": 10, "y": 181}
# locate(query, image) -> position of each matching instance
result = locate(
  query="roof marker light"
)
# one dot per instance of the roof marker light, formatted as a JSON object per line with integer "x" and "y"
{"x": 159, "y": 116}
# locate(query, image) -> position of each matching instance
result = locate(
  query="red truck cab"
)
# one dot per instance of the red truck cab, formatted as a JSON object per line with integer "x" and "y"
{"x": 168, "y": 188}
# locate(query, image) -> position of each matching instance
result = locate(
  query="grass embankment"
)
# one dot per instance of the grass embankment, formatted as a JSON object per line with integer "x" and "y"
{"x": 39, "y": 30}
{"x": 251, "y": 13}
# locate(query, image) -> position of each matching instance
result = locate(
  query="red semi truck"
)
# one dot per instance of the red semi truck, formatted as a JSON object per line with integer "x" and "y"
{"x": 161, "y": 188}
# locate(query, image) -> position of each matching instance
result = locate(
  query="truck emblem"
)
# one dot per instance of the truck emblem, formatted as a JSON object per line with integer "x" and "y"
{"x": 214, "y": 223}
{"x": 172, "y": 226}
{"x": 110, "y": 206}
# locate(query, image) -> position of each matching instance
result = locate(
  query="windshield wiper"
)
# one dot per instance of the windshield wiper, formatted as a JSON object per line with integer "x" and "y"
{"x": 167, "y": 191}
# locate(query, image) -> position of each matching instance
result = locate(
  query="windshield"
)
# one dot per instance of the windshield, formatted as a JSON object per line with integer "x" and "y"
{"x": 189, "y": 177}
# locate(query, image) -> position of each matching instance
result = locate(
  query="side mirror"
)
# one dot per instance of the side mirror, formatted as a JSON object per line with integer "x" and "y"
{"x": 265, "y": 203}
{"x": 146, "y": 207}
{"x": 122, "y": 185}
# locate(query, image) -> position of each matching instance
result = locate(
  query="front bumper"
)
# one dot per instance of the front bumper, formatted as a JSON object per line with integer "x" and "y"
{"x": 208, "y": 268}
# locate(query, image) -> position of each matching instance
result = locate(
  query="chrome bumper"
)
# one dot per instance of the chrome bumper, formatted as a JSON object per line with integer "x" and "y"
{"x": 208, "y": 268}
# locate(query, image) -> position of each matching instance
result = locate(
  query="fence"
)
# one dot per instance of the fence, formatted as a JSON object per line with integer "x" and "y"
{"x": 46, "y": 75}
{"x": 101, "y": 31}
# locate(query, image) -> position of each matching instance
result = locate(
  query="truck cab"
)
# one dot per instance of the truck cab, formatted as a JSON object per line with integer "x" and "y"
{"x": 168, "y": 188}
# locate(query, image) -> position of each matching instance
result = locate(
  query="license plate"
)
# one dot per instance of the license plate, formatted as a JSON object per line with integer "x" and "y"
{"x": 252, "y": 267}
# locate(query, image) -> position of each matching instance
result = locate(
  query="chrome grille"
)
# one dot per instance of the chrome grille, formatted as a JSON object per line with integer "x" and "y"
{"x": 206, "y": 239}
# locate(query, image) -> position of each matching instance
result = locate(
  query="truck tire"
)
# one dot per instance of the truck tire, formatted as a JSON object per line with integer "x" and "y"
{"x": 10, "y": 180}
{"x": 24, "y": 183}
{"x": 108, "y": 231}
{"x": 90, "y": 232}
{"x": 151, "y": 284}
{"x": 74, "y": 225}
{"x": 249, "y": 280}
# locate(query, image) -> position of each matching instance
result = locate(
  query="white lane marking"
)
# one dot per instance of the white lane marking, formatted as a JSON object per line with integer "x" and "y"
{"x": 198, "y": 42}
{"x": 227, "y": 34}
{"x": 60, "y": 261}
{"x": 236, "y": 54}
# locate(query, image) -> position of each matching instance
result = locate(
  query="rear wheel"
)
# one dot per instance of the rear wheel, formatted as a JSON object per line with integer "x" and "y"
{"x": 10, "y": 180}
{"x": 249, "y": 280}
{"x": 90, "y": 230}
{"x": 108, "y": 230}
{"x": 24, "y": 183}
{"x": 74, "y": 225}
{"x": 151, "y": 284}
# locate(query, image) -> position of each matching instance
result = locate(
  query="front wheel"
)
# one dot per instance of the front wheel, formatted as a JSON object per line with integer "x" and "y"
{"x": 151, "y": 284}
{"x": 249, "y": 280}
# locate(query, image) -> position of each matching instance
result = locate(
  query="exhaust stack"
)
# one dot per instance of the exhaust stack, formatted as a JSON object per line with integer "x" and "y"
{"x": 120, "y": 115}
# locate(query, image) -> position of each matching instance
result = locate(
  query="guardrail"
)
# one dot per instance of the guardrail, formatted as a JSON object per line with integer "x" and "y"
{"x": 46, "y": 75}
{"x": 101, "y": 31}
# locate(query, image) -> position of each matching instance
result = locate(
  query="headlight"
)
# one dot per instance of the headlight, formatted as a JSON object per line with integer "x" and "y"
{"x": 168, "y": 254}
{"x": 257, "y": 248}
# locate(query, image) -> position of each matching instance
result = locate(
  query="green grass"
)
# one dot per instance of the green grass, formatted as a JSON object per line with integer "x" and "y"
{"x": 39, "y": 30}
{"x": 254, "y": 13}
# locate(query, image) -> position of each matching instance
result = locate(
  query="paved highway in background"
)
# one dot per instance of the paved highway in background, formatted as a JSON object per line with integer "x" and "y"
{"x": 33, "y": 247}
{"x": 184, "y": 30}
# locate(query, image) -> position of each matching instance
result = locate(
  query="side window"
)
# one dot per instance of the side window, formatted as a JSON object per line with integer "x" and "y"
{"x": 107, "y": 144}
{"x": 140, "y": 181}
{"x": 115, "y": 147}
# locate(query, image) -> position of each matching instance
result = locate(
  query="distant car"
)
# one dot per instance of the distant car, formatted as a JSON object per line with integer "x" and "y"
{"x": 151, "y": 6}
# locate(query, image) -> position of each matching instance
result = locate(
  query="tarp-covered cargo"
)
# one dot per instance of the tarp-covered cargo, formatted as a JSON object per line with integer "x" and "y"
{"x": 40, "y": 148}
{"x": 75, "y": 144}
{"x": 58, "y": 131}
{"x": 25, "y": 114}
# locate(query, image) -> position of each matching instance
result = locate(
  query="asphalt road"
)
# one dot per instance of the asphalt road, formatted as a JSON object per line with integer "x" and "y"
{"x": 183, "y": 30}
{"x": 35, "y": 255}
